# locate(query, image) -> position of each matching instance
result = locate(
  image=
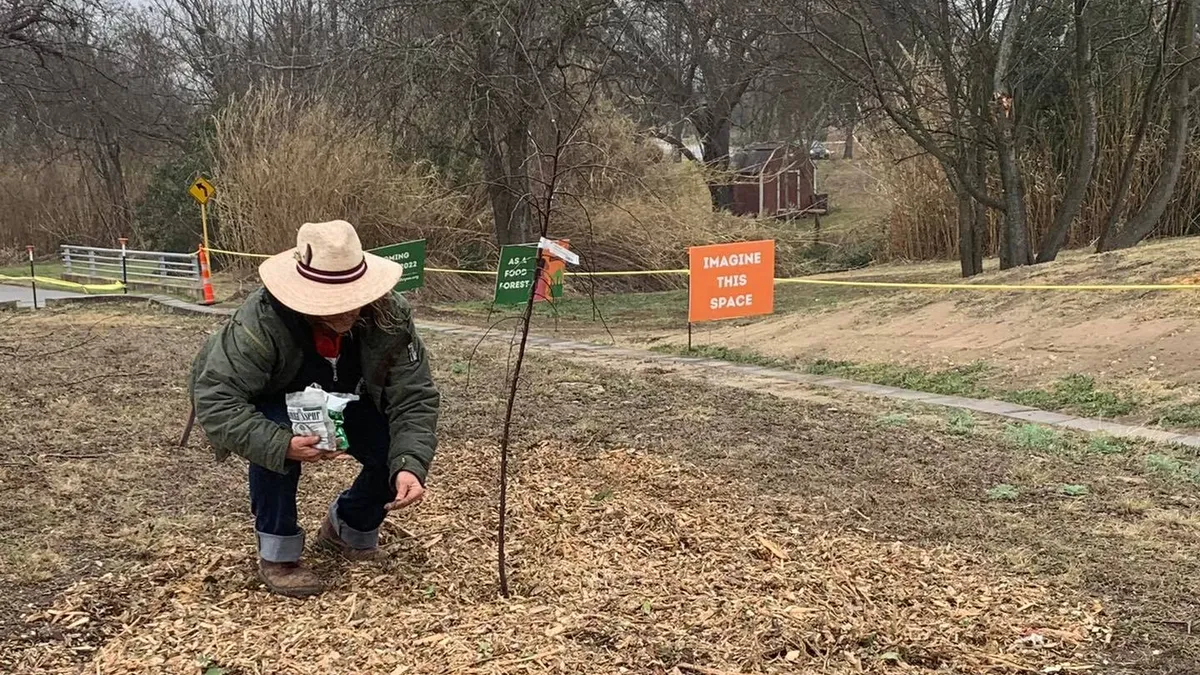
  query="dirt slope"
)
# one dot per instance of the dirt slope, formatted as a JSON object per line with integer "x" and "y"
{"x": 1140, "y": 339}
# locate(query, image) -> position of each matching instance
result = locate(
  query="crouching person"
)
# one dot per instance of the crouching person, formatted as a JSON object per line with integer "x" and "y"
{"x": 327, "y": 316}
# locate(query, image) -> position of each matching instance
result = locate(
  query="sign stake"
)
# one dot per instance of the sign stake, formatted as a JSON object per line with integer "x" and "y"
{"x": 32, "y": 276}
{"x": 124, "y": 268}
{"x": 201, "y": 190}
{"x": 204, "y": 224}
{"x": 689, "y": 336}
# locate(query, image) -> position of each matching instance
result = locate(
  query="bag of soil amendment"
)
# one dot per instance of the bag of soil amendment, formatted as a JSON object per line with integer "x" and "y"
{"x": 315, "y": 412}
{"x": 336, "y": 405}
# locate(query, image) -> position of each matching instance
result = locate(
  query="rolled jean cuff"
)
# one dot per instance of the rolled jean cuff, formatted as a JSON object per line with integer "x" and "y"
{"x": 280, "y": 549}
{"x": 351, "y": 537}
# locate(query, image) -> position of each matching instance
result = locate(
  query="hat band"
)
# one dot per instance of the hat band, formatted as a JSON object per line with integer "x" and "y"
{"x": 324, "y": 277}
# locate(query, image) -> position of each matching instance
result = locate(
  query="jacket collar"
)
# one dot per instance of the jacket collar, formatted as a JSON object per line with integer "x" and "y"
{"x": 295, "y": 323}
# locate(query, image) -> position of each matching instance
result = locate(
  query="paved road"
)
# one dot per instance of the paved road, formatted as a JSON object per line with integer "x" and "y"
{"x": 24, "y": 296}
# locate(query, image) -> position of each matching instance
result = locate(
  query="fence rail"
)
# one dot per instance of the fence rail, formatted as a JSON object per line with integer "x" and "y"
{"x": 174, "y": 271}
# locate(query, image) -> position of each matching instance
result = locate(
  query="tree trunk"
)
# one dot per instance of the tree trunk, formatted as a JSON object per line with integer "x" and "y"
{"x": 501, "y": 122}
{"x": 848, "y": 149}
{"x": 511, "y": 215}
{"x": 980, "y": 235}
{"x": 118, "y": 221}
{"x": 1085, "y": 147}
{"x": 982, "y": 211}
{"x": 677, "y": 130}
{"x": 970, "y": 263}
{"x": 505, "y": 153}
{"x": 1121, "y": 194}
{"x": 504, "y": 170}
{"x": 972, "y": 215}
{"x": 970, "y": 235}
{"x": 714, "y": 130}
{"x": 1014, "y": 241}
{"x": 1015, "y": 237}
{"x": 1142, "y": 223}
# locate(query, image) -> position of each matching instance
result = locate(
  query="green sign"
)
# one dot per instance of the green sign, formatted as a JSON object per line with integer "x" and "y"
{"x": 411, "y": 256}
{"x": 514, "y": 277}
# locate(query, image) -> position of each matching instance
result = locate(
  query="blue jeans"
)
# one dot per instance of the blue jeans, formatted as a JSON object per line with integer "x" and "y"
{"x": 358, "y": 511}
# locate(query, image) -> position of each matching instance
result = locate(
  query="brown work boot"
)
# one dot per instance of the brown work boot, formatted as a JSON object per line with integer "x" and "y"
{"x": 329, "y": 539}
{"x": 289, "y": 578}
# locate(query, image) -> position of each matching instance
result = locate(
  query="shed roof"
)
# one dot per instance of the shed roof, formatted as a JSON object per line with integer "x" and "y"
{"x": 752, "y": 158}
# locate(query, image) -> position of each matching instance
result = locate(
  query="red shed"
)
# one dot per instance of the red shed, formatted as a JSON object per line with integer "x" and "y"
{"x": 774, "y": 180}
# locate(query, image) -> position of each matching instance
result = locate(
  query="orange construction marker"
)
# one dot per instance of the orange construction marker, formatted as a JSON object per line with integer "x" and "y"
{"x": 206, "y": 278}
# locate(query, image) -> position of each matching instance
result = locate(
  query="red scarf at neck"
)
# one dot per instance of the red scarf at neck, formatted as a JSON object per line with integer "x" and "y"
{"x": 328, "y": 343}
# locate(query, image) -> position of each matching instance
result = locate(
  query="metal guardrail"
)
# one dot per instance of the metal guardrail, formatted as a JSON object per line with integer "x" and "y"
{"x": 179, "y": 271}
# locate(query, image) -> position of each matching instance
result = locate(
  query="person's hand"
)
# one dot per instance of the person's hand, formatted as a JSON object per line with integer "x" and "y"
{"x": 303, "y": 449}
{"x": 408, "y": 491}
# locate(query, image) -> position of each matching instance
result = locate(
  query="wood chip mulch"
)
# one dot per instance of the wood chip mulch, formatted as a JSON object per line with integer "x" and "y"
{"x": 621, "y": 562}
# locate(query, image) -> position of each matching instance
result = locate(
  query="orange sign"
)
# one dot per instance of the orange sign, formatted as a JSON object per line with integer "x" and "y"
{"x": 731, "y": 280}
{"x": 553, "y": 271}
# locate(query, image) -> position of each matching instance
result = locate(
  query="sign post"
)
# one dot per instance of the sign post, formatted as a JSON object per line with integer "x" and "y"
{"x": 411, "y": 257}
{"x": 32, "y": 275}
{"x": 201, "y": 190}
{"x": 124, "y": 268}
{"x": 730, "y": 281}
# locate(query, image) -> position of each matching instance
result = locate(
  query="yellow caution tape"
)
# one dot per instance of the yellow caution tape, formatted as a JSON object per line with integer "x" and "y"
{"x": 626, "y": 273}
{"x": 51, "y": 281}
{"x": 492, "y": 273}
{"x": 832, "y": 282}
{"x": 239, "y": 253}
{"x": 622, "y": 273}
{"x": 995, "y": 287}
{"x": 483, "y": 272}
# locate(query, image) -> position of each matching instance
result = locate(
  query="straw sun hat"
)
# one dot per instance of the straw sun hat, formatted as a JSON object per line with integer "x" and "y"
{"x": 328, "y": 272}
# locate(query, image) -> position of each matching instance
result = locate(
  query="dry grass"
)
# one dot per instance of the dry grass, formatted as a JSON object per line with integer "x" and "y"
{"x": 923, "y": 220}
{"x": 32, "y": 565}
{"x": 1156, "y": 261}
{"x": 46, "y": 203}
{"x": 284, "y": 160}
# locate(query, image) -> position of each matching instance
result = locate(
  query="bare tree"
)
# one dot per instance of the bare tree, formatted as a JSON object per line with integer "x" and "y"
{"x": 496, "y": 74}
{"x": 1181, "y": 24}
{"x": 1015, "y": 242}
{"x": 1087, "y": 142}
{"x": 795, "y": 100}
{"x": 690, "y": 64}
{"x": 991, "y": 90}
{"x": 36, "y": 25}
{"x": 970, "y": 83}
{"x": 919, "y": 64}
{"x": 89, "y": 82}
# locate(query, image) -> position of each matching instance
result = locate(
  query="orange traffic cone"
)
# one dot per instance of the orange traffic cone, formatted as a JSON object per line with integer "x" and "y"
{"x": 206, "y": 278}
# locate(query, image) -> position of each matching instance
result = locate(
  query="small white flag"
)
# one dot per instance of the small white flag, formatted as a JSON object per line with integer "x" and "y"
{"x": 558, "y": 251}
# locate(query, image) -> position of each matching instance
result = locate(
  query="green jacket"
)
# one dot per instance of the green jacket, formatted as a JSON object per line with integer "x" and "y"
{"x": 255, "y": 354}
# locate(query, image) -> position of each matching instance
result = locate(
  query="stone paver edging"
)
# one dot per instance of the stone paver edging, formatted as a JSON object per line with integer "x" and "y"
{"x": 990, "y": 407}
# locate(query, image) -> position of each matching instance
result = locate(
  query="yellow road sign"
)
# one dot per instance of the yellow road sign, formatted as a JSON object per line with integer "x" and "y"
{"x": 202, "y": 190}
